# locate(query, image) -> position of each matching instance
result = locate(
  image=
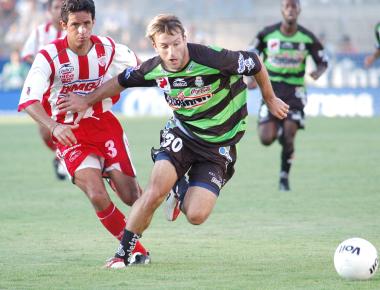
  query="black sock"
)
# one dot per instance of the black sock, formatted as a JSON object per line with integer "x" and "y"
{"x": 286, "y": 160}
{"x": 127, "y": 245}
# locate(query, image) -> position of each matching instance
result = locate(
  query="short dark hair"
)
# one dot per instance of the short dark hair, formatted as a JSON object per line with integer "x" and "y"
{"x": 70, "y": 6}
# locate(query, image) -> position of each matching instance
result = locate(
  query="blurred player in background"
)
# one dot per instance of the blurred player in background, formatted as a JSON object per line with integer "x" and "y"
{"x": 369, "y": 60}
{"x": 284, "y": 47}
{"x": 204, "y": 87}
{"x": 42, "y": 35}
{"x": 80, "y": 62}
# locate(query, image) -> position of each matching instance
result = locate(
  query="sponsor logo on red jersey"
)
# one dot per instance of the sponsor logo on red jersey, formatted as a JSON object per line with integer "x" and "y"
{"x": 66, "y": 73}
{"x": 81, "y": 86}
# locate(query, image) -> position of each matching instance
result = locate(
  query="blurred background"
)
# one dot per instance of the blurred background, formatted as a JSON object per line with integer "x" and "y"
{"x": 345, "y": 27}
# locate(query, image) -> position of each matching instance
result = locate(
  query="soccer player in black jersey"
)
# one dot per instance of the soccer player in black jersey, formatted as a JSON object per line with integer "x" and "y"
{"x": 284, "y": 47}
{"x": 369, "y": 60}
{"x": 204, "y": 87}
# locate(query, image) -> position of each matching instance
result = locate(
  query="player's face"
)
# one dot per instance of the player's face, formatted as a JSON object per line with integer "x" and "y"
{"x": 79, "y": 28}
{"x": 290, "y": 10}
{"x": 55, "y": 11}
{"x": 172, "y": 48}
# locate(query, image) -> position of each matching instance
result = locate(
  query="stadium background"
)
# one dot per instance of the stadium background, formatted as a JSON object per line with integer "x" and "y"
{"x": 346, "y": 28}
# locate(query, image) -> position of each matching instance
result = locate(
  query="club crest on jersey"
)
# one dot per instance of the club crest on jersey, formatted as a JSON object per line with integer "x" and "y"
{"x": 199, "y": 81}
{"x": 102, "y": 61}
{"x": 179, "y": 83}
{"x": 163, "y": 84}
{"x": 66, "y": 73}
{"x": 273, "y": 45}
{"x": 245, "y": 64}
{"x": 301, "y": 46}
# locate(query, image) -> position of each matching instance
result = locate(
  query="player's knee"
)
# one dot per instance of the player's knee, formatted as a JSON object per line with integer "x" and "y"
{"x": 99, "y": 199}
{"x": 197, "y": 217}
{"x": 266, "y": 140}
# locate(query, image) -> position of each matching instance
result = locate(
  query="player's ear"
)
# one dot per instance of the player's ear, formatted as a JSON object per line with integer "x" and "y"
{"x": 63, "y": 24}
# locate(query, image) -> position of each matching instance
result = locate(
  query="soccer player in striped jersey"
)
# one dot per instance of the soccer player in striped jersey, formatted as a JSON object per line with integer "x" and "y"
{"x": 284, "y": 47}
{"x": 204, "y": 87}
{"x": 96, "y": 147}
{"x": 369, "y": 60}
{"x": 41, "y": 36}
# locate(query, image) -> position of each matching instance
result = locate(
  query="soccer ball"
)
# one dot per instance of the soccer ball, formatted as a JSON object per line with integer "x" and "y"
{"x": 356, "y": 259}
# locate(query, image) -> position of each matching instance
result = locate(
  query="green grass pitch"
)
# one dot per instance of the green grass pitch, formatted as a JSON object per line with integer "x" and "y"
{"x": 256, "y": 238}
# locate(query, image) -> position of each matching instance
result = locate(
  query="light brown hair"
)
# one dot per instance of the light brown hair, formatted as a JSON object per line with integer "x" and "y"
{"x": 164, "y": 23}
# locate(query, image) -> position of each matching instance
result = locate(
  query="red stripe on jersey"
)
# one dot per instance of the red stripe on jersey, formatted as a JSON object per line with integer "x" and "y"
{"x": 84, "y": 72}
{"x": 47, "y": 26}
{"x": 113, "y": 52}
{"x": 117, "y": 97}
{"x": 61, "y": 45}
{"x": 46, "y": 95}
{"x": 63, "y": 57}
{"x": 22, "y": 107}
{"x": 101, "y": 53}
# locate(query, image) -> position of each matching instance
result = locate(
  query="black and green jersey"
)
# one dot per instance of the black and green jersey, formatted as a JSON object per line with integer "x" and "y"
{"x": 208, "y": 96}
{"x": 377, "y": 33}
{"x": 285, "y": 56}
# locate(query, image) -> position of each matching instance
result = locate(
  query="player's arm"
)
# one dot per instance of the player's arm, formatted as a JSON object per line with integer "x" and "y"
{"x": 257, "y": 45}
{"x": 320, "y": 58}
{"x": 369, "y": 60}
{"x": 36, "y": 83}
{"x": 275, "y": 105}
{"x": 61, "y": 132}
{"x": 130, "y": 77}
{"x": 76, "y": 103}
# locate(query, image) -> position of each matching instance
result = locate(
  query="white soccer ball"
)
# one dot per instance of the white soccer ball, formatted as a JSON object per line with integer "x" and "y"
{"x": 356, "y": 259}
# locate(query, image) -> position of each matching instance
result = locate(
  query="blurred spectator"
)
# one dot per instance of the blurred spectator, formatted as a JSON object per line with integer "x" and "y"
{"x": 346, "y": 45}
{"x": 8, "y": 16}
{"x": 14, "y": 72}
{"x": 44, "y": 33}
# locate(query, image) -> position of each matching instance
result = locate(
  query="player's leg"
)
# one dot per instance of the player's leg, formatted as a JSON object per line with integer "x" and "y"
{"x": 198, "y": 204}
{"x": 267, "y": 126}
{"x": 59, "y": 168}
{"x": 162, "y": 179}
{"x": 126, "y": 187}
{"x": 287, "y": 140}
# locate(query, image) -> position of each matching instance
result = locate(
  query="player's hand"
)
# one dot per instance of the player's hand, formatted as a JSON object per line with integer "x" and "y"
{"x": 315, "y": 75}
{"x": 368, "y": 61}
{"x": 73, "y": 103}
{"x": 64, "y": 134}
{"x": 278, "y": 108}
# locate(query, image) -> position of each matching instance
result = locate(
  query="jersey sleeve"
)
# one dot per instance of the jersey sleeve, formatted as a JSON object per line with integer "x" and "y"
{"x": 228, "y": 62}
{"x": 30, "y": 46}
{"x": 258, "y": 45}
{"x": 135, "y": 76}
{"x": 318, "y": 52}
{"x": 123, "y": 58}
{"x": 36, "y": 83}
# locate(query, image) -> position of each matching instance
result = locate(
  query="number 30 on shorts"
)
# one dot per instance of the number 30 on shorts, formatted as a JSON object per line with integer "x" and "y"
{"x": 174, "y": 142}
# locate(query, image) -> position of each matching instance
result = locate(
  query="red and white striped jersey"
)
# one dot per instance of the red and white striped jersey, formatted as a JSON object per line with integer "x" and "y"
{"x": 57, "y": 70}
{"x": 42, "y": 35}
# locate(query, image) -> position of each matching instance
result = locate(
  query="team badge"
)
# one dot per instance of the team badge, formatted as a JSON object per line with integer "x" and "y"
{"x": 199, "y": 81}
{"x": 273, "y": 45}
{"x": 301, "y": 46}
{"x": 163, "y": 84}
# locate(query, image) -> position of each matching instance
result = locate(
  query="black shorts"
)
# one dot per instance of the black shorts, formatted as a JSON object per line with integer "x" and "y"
{"x": 207, "y": 167}
{"x": 297, "y": 116}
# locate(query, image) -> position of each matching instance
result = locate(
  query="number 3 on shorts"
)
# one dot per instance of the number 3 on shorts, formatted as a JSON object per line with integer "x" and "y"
{"x": 174, "y": 143}
{"x": 110, "y": 145}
